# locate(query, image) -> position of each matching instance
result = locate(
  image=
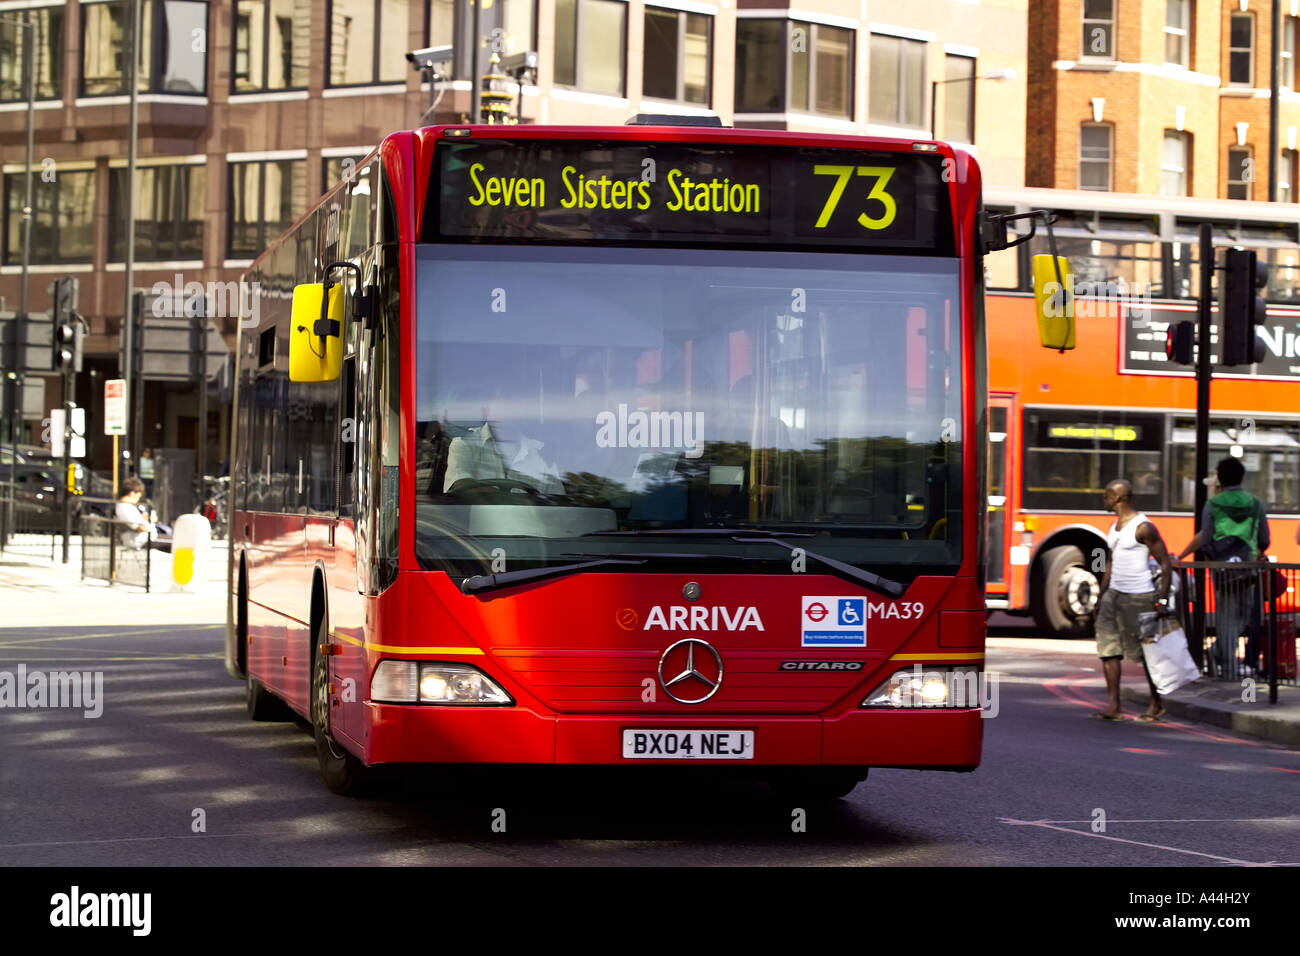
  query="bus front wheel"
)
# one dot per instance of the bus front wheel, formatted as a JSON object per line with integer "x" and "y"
{"x": 1066, "y": 594}
{"x": 344, "y": 774}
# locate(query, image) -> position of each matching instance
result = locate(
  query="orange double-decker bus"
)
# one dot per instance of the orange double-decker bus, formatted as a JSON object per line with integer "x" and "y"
{"x": 636, "y": 445}
{"x": 1062, "y": 426}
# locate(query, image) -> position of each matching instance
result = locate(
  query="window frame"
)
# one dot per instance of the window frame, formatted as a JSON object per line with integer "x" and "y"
{"x": 175, "y": 225}
{"x": 1086, "y": 21}
{"x": 578, "y": 84}
{"x": 1286, "y": 183}
{"x": 787, "y": 68}
{"x": 1184, "y": 33}
{"x": 264, "y": 239}
{"x": 1185, "y": 170}
{"x": 375, "y": 50}
{"x": 41, "y": 33}
{"x": 948, "y": 84}
{"x": 1248, "y": 50}
{"x": 1247, "y": 187}
{"x": 1093, "y": 161}
{"x": 1286, "y": 52}
{"x": 266, "y": 56}
{"x": 682, "y": 19}
{"x": 153, "y": 18}
{"x": 899, "y": 119}
{"x": 16, "y": 181}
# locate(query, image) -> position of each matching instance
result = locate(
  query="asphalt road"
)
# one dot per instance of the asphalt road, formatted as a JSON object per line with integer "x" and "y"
{"x": 173, "y": 747}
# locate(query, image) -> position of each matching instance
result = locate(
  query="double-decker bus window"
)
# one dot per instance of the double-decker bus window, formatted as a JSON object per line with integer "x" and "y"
{"x": 576, "y": 391}
{"x": 1002, "y": 268}
{"x": 1269, "y": 448}
{"x": 1107, "y": 252}
{"x": 1071, "y": 454}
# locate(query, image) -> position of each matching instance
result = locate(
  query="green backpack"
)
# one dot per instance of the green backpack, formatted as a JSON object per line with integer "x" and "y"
{"x": 1234, "y": 526}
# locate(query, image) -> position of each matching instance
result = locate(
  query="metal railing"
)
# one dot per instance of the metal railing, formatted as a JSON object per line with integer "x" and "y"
{"x": 1249, "y": 619}
{"x": 106, "y": 554}
{"x": 31, "y": 520}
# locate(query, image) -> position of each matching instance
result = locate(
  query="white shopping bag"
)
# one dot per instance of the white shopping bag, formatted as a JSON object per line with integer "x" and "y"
{"x": 1168, "y": 660}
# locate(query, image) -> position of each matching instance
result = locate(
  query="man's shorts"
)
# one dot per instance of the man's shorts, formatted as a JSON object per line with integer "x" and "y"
{"x": 1118, "y": 634}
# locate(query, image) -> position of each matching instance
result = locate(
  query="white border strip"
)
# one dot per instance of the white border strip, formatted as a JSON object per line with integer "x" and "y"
{"x": 34, "y": 4}
{"x": 385, "y": 89}
{"x": 800, "y": 119}
{"x": 689, "y": 6}
{"x": 60, "y": 166}
{"x": 793, "y": 13}
{"x": 38, "y": 105}
{"x": 145, "y": 162}
{"x": 591, "y": 99}
{"x": 959, "y": 49}
{"x": 266, "y": 155}
{"x": 281, "y": 96}
{"x": 898, "y": 132}
{"x": 673, "y": 108}
{"x": 342, "y": 152}
{"x": 236, "y": 263}
{"x": 906, "y": 33}
{"x": 1147, "y": 69}
{"x": 124, "y": 100}
{"x": 49, "y": 269}
{"x": 147, "y": 266}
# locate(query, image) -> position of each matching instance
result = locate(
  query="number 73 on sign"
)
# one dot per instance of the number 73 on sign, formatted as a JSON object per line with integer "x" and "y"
{"x": 880, "y": 176}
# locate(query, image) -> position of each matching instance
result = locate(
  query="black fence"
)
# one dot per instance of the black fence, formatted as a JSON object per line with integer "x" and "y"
{"x": 1249, "y": 620}
{"x": 111, "y": 551}
{"x": 31, "y": 519}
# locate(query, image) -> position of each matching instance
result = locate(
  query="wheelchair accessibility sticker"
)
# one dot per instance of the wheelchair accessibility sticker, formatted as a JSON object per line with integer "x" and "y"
{"x": 834, "y": 622}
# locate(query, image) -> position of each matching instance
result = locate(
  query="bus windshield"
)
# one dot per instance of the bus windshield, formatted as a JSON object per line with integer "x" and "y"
{"x": 565, "y": 394}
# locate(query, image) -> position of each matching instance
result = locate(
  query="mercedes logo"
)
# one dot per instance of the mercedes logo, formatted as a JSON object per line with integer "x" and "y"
{"x": 690, "y": 670}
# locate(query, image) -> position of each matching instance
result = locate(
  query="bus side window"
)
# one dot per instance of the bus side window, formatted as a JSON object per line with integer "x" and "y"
{"x": 347, "y": 473}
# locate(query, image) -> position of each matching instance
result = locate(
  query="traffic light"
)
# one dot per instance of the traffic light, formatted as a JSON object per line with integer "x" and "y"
{"x": 1178, "y": 342}
{"x": 67, "y": 327}
{"x": 1242, "y": 307}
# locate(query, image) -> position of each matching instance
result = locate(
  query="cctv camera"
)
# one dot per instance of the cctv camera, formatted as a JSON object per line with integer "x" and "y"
{"x": 431, "y": 58}
{"x": 518, "y": 63}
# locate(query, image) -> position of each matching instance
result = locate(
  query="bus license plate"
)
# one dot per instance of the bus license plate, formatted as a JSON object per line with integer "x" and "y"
{"x": 688, "y": 744}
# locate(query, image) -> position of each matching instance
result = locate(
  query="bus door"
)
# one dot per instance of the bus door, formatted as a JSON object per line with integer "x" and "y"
{"x": 1001, "y": 417}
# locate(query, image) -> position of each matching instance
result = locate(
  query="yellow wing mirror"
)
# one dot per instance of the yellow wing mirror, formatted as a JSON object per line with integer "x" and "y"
{"x": 1054, "y": 302}
{"x": 315, "y": 342}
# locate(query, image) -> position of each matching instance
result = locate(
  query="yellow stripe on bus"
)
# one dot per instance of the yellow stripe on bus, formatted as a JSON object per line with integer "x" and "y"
{"x": 395, "y": 649}
{"x": 937, "y": 657}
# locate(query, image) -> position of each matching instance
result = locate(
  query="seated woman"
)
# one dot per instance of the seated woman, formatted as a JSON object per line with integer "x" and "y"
{"x": 138, "y": 532}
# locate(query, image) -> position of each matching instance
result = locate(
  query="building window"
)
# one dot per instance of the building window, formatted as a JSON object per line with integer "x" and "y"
{"x": 507, "y": 27}
{"x": 367, "y": 42}
{"x": 590, "y": 43}
{"x": 173, "y": 47}
{"x": 959, "y": 98}
{"x": 897, "y": 91}
{"x": 1173, "y": 163}
{"x": 786, "y": 65}
{"x": 47, "y": 42}
{"x": 1095, "y": 156}
{"x": 1287, "y": 53}
{"x": 1241, "y": 173}
{"x": 1286, "y": 169}
{"x": 168, "y": 213}
{"x": 1241, "y": 44}
{"x": 1099, "y": 29}
{"x": 272, "y": 48}
{"x": 1178, "y": 30}
{"x": 63, "y": 217}
{"x": 265, "y": 200}
{"x": 678, "y": 56}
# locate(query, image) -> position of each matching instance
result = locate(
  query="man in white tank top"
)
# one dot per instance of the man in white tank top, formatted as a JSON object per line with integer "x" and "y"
{"x": 1126, "y": 592}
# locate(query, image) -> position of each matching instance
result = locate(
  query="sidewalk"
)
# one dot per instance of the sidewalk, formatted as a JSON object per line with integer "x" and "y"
{"x": 1221, "y": 704}
{"x": 40, "y": 594}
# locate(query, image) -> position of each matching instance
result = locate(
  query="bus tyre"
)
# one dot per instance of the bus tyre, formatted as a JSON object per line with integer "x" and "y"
{"x": 1067, "y": 593}
{"x": 344, "y": 774}
{"x": 262, "y": 704}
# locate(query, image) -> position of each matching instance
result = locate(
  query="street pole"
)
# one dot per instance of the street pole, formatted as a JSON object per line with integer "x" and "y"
{"x": 1204, "y": 370}
{"x": 475, "y": 40}
{"x": 1273, "y": 98}
{"x": 128, "y": 274}
{"x": 20, "y": 317}
{"x": 934, "y": 92}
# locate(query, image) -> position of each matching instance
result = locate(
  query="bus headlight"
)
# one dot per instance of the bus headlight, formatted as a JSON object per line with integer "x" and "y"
{"x": 414, "y": 682}
{"x": 931, "y": 687}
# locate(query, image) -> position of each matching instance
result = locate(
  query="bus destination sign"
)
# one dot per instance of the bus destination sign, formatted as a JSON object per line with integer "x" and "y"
{"x": 675, "y": 194}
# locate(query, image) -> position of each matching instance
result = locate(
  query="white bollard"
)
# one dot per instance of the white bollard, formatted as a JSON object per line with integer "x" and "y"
{"x": 191, "y": 541}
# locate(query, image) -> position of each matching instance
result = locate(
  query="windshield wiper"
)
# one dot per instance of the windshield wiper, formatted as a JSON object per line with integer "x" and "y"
{"x": 874, "y": 581}
{"x": 703, "y": 532}
{"x": 478, "y": 583}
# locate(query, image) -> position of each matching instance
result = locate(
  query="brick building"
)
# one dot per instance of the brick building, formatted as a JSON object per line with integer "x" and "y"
{"x": 1167, "y": 97}
{"x": 248, "y": 109}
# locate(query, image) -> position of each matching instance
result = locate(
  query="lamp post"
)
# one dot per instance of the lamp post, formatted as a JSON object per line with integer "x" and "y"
{"x": 1008, "y": 74}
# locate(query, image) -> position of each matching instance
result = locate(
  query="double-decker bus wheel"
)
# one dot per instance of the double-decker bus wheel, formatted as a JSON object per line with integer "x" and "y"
{"x": 813, "y": 784}
{"x": 1067, "y": 592}
{"x": 344, "y": 774}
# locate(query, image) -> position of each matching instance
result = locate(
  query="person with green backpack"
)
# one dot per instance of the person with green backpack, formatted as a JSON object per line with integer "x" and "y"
{"x": 1234, "y": 528}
